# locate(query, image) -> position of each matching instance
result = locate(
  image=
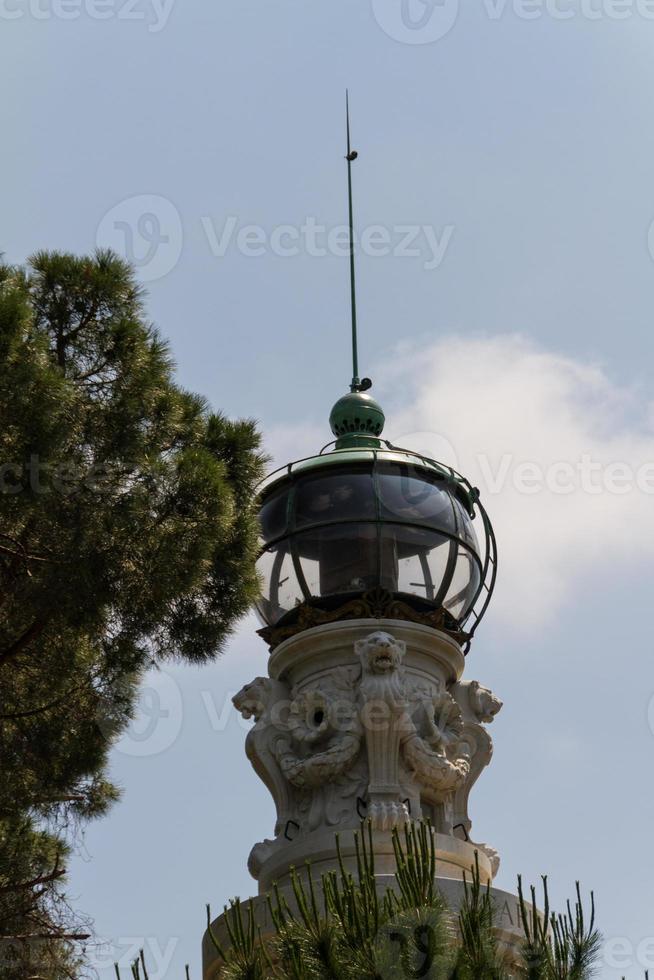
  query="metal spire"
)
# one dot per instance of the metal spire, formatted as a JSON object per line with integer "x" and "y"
{"x": 351, "y": 156}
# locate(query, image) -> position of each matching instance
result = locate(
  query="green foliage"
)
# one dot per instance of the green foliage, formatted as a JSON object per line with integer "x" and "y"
{"x": 127, "y": 538}
{"x": 342, "y": 929}
{"x": 247, "y": 958}
{"x": 558, "y": 947}
{"x": 479, "y": 957}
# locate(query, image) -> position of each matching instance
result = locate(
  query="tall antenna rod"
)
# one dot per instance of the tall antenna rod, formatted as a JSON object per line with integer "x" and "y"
{"x": 351, "y": 156}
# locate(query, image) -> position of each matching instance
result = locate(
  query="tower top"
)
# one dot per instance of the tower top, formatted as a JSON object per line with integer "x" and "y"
{"x": 357, "y": 414}
{"x": 368, "y": 529}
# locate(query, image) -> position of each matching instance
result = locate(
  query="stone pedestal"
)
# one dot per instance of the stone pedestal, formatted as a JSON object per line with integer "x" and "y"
{"x": 507, "y": 917}
{"x": 367, "y": 720}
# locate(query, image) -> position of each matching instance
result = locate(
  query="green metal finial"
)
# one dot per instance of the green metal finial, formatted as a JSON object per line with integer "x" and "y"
{"x": 357, "y": 420}
{"x": 351, "y": 156}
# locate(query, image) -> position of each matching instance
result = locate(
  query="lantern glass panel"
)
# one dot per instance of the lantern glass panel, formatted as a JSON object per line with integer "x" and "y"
{"x": 339, "y": 559}
{"x": 464, "y": 585}
{"x": 414, "y": 561}
{"x": 407, "y": 496}
{"x": 281, "y": 591}
{"x": 272, "y": 516}
{"x": 339, "y": 496}
{"x": 465, "y": 528}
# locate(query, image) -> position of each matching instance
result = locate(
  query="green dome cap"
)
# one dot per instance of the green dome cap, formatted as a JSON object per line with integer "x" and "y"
{"x": 357, "y": 413}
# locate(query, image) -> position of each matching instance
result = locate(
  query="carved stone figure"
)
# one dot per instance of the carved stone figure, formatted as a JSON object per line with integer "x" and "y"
{"x": 439, "y": 758}
{"x": 317, "y": 752}
{"x": 384, "y": 715}
{"x": 303, "y": 746}
{"x": 483, "y": 703}
{"x": 324, "y": 743}
{"x": 379, "y": 741}
{"x": 479, "y": 707}
{"x": 264, "y": 700}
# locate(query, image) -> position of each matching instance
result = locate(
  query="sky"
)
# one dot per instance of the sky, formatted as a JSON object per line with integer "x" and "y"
{"x": 504, "y": 206}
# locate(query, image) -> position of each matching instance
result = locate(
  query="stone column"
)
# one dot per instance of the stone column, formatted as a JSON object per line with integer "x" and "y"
{"x": 367, "y": 719}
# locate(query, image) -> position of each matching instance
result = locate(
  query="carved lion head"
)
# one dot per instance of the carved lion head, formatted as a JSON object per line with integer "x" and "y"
{"x": 483, "y": 702}
{"x": 380, "y": 653}
{"x": 251, "y": 700}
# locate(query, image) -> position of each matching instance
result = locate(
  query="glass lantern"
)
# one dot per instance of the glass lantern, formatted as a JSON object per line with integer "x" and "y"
{"x": 362, "y": 521}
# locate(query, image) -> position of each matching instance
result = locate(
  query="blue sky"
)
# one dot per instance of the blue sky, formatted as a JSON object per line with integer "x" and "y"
{"x": 508, "y": 148}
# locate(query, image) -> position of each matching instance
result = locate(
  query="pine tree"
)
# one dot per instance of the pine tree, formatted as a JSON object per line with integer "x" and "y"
{"x": 127, "y": 538}
{"x": 341, "y": 928}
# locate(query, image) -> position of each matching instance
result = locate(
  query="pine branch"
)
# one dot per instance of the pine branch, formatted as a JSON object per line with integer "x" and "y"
{"x": 40, "y": 880}
{"x": 30, "y": 634}
{"x": 72, "y": 936}
{"x": 31, "y": 712}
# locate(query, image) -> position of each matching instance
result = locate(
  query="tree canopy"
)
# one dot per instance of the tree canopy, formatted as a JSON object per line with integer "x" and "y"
{"x": 127, "y": 538}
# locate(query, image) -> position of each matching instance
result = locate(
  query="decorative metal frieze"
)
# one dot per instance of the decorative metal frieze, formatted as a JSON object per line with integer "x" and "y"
{"x": 376, "y": 604}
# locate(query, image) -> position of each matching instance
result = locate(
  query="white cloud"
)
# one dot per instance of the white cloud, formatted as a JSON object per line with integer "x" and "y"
{"x": 542, "y": 436}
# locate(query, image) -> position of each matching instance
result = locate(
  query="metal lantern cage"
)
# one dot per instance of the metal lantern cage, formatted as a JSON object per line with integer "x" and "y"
{"x": 373, "y": 530}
